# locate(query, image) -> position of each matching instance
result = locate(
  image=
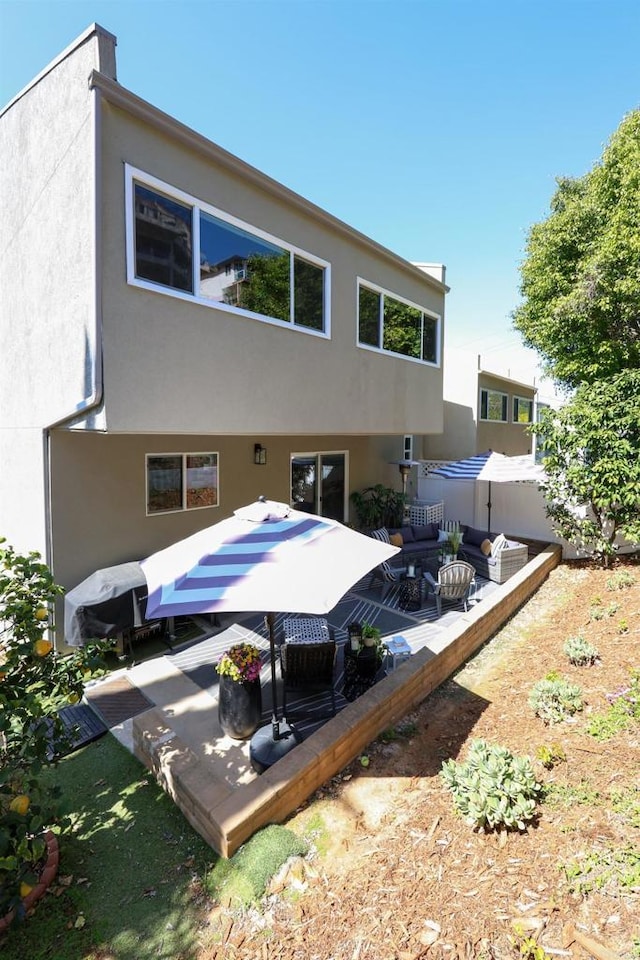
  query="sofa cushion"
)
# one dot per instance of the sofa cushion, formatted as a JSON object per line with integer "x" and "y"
{"x": 499, "y": 544}
{"x": 474, "y": 536}
{"x": 427, "y": 532}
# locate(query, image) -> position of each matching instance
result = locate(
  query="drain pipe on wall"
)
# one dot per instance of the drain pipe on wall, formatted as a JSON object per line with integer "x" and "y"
{"x": 94, "y": 400}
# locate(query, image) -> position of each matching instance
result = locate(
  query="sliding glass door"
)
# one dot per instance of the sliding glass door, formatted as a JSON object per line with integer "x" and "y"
{"x": 318, "y": 484}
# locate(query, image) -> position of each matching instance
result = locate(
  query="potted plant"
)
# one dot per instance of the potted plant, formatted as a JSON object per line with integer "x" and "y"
{"x": 455, "y": 540}
{"x": 239, "y": 691}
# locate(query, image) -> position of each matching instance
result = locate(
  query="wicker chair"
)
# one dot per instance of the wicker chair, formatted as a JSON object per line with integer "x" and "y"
{"x": 308, "y": 667}
{"x": 453, "y": 583}
{"x": 384, "y": 572}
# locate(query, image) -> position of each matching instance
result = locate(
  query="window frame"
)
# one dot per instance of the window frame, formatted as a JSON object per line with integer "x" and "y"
{"x": 516, "y": 400}
{"x": 505, "y": 405}
{"x": 382, "y": 292}
{"x": 184, "y": 456}
{"x": 133, "y": 176}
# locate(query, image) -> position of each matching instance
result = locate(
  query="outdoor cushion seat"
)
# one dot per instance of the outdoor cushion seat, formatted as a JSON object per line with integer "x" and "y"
{"x": 453, "y": 583}
{"x": 308, "y": 667}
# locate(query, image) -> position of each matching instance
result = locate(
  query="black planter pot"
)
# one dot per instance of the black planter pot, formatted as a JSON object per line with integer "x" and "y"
{"x": 239, "y": 707}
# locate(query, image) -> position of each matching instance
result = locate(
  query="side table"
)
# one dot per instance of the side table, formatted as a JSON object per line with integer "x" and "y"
{"x": 360, "y": 671}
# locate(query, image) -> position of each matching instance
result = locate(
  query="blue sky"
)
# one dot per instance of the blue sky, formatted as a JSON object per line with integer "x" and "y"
{"x": 436, "y": 128}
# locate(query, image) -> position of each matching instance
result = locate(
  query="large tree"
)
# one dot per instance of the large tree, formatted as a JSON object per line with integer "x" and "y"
{"x": 580, "y": 280}
{"x": 592, "y": 462}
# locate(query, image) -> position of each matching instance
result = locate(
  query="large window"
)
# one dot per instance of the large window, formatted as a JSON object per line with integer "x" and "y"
{"x": 494, "y": 405}
{"x": 396, "y": 326}
{"x": 522, "y": 410}
{"x": 181, "y": 481}
{"x": 188, "y": 248}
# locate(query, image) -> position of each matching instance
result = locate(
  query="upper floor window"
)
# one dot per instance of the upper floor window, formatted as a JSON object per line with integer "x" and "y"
{"x": 494, "y": 405}
{"x": 181, "y": 481}
{"x": 522, "y": 410}
{"x": 396, "y": 326}
{"x": 190, "y": 249}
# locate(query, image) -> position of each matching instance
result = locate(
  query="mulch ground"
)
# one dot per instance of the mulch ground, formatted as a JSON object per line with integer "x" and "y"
{"x": 399, "y": 876}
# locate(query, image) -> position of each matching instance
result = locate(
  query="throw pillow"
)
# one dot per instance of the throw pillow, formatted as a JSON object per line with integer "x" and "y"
{"x": 485, "y": 547}
{"x": 381, "y": 534}
{"x": 443, "y": 535}
{"x": 499, "y": 544}
{"x": 427, "y": 532}
{"x": 396, "y": 539}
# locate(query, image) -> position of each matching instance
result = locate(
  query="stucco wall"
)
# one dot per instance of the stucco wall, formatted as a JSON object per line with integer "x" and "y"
{"x": 47, "y": 334}
{"x": 98, "y": 491}
{"x": 172, "y": 365}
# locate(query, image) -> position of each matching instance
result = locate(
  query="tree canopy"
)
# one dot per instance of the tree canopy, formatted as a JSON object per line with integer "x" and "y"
{"x": 592, "y": 462}
{"x": 580, "y": 280}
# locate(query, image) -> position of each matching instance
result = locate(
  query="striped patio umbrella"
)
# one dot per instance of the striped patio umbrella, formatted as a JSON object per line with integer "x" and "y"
{"x": 265, "y": 558}
{"x": 494, "y": 468}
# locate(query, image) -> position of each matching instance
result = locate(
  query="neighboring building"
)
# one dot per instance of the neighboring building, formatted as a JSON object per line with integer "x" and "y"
{"x": 195, "y": 334}
{"x": 482, "y": 411}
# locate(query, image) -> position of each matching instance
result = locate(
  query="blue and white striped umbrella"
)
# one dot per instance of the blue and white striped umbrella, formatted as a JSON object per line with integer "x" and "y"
{"x": 265, "y": 558}
{"x": 493, "y": 467}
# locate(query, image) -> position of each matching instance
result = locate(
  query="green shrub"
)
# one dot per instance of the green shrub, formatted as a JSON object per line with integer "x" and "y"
{"x": 624, "y": 709}
{"x": 620, "y": 580}
{"x": 554, "y": 699}
{"x": 548, "y": 756}
{"x": 580, "y": 652}
{"x": 492, "y": 788}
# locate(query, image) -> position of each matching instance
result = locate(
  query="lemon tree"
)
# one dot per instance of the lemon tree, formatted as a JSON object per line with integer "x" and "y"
{"x": 34, "y": 682}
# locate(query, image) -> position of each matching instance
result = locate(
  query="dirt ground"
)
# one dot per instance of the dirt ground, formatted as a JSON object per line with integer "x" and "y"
{"x": 397, "y": 875}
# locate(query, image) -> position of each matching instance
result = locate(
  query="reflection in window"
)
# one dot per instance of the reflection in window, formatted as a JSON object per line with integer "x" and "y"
{"x": 163, "y": 240}
{"x": 369, "y": 317}
{"x": 308, "y": 286}
{"x": 522, "y": 410}
{"x": 493, "y": 405}
{"x": 184, "y": 481}
{"x": 238, "y": 266}
{"x": 395, "y": 326}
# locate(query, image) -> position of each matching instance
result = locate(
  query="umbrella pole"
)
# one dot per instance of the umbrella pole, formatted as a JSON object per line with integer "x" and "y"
{"x": 274, "y": 740}
{"x": 489, "y": 511}
{"x": 275, "y": 723}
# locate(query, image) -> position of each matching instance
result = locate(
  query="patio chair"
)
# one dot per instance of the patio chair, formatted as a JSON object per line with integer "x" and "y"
{"x": 387, "y": 576}
{"x": 453, "y": 583}
{"x": 308, "y": 667}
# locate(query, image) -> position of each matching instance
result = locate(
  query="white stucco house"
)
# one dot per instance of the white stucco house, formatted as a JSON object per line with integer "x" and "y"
{"x": 180, "y": 333}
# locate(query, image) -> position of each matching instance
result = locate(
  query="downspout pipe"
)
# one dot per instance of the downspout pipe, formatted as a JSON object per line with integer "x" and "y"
{"x": 95, "y": 399}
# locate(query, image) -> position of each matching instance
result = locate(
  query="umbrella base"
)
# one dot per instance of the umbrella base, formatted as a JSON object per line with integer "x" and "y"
{"x": 265, "y": 750}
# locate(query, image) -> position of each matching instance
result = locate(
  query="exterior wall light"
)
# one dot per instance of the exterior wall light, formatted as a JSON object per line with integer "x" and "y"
{"x": 259, "y": 454}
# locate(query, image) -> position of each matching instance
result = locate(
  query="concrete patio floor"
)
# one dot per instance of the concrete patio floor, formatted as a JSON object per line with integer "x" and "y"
{"x": 210, "y": 776}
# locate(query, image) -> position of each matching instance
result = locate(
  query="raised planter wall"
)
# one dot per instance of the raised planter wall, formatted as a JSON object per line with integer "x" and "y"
{"x": 226, "y": 816}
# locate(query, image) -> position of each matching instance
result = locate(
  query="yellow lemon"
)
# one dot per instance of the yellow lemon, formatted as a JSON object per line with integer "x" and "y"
{"x": 20, "y": 804}
{"x": 42, "y": 647}
{"x": 73, "y": 698}
{"x": 42, "y": 613}
{"x": 25, "y": 889}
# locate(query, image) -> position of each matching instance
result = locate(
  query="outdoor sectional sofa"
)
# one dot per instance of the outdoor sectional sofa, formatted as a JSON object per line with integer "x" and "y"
{"x": 420, "y": 541}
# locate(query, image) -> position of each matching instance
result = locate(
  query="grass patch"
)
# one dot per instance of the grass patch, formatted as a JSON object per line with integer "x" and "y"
{"x": 243, "y": 879}
{"x": 130, "y": 868}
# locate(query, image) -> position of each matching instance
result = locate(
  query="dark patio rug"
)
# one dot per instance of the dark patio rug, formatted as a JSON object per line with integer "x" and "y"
{"x": 117, "y": 700}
